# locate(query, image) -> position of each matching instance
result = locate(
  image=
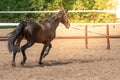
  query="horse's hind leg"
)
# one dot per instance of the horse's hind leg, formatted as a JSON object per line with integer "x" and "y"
{"x": 47, "y": 50}
{"x": 13, "y": 60}
{"x": 14, "y": 53}
{"x": 23, "y": 48}
{"x": 19, "y": 39}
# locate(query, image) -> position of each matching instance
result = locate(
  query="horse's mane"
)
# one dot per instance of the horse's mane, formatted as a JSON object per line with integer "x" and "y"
{"x": 54, "y": 16}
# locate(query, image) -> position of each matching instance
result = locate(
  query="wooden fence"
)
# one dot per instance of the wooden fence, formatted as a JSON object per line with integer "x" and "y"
{"x": 86, "y": 37}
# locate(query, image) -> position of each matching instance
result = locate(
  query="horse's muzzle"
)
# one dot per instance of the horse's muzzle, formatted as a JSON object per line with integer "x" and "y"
{"x": 67, "y": 25}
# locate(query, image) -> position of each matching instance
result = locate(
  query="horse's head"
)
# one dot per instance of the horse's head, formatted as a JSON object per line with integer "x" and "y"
{"x": 62, "y": 16}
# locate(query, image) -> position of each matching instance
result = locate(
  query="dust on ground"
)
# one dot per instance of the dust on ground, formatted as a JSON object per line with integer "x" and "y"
{"x": 67, "y": 60}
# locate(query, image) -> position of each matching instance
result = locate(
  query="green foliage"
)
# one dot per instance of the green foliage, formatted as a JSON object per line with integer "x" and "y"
{"x": 41, "y": 5}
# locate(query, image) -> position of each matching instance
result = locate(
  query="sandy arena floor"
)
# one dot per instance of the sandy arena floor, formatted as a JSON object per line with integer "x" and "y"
{"x": 67, "y": 60}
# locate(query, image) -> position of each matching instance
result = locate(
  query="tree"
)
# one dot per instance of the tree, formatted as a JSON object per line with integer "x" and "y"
{"x": 40, "y": 5}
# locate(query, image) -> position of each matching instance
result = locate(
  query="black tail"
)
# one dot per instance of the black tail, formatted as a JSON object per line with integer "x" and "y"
{"x": 14, "y": 35}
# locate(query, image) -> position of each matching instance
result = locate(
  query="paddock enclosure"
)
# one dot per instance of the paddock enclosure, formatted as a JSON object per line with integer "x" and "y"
{"x": 68, "y": 59}
{"x": 72, "y": 57}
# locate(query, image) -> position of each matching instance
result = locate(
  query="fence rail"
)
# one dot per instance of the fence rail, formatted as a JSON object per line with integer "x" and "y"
{"x": 81, "y": 24}
{"x": 86, "y": 37}
{"x": 103, "y": 11}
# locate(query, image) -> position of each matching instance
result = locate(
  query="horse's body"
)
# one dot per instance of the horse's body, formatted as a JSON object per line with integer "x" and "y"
{"x": 33, "y": 32}
{"x": 42, "y": 32}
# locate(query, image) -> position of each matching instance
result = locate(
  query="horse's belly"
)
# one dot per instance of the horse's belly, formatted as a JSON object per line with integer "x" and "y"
{"x": 44, "y": 36}
{"x": 43, "y": 39}
{"x": 40, "y": 39}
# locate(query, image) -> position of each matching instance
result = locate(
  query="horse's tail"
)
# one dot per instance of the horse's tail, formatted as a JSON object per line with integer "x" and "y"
{"x": 14, "y": 35}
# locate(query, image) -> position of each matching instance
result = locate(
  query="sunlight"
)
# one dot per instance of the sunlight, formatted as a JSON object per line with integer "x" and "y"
{"x": 118, "y": 10}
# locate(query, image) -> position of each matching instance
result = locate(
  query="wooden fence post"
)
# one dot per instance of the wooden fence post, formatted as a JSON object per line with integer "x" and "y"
{"x": 86, "y": 37}
{"x": 107, "y": 36}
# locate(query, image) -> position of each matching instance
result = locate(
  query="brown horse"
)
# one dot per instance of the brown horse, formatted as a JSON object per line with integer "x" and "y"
{"x": 43, "y": 32}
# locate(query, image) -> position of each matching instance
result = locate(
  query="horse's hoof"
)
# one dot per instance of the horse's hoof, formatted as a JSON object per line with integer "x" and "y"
{"x": 22, "y": 63}
{"x": 40, "y": 63}
{"x": 13, "y": 63}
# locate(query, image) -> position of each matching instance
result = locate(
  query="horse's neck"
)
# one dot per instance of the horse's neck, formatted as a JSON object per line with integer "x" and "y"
{"x": 55, "y": 24}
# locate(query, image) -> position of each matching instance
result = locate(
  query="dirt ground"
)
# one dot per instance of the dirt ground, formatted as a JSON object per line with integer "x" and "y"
{"x": 67, "y": 60}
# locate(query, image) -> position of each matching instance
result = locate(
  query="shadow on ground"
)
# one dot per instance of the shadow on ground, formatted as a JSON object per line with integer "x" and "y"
{"x": 70, "y": 61}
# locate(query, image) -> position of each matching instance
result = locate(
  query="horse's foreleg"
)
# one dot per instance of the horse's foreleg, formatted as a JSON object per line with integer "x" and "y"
{"x": 42, "y": 53}
{"x": 47, "y": 50}
{"x": 23, "y": 48}
{"x": 13, "y": 60}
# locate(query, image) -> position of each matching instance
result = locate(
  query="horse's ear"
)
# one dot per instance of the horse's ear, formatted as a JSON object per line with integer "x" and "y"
{"x": 61, "y": 13}
{"x": 66, "y": 11}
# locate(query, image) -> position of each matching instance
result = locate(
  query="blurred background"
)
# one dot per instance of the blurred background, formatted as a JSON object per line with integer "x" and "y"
{"x": 50, "y": 5}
